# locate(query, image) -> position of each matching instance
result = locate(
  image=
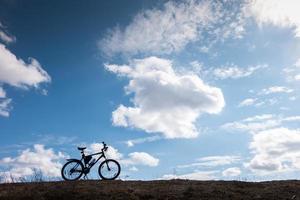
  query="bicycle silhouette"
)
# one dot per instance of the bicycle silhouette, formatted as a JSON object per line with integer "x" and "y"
{"x": 109, "y": 169}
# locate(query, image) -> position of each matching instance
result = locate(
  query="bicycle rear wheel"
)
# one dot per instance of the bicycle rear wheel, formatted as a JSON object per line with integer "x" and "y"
{"x": 109, "y": 169}
{"x": 72, "y": 170}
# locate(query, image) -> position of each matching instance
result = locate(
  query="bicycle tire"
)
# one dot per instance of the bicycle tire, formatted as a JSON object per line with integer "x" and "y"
{"x": 113, "y": 162}
{"x": 65, "y": 165}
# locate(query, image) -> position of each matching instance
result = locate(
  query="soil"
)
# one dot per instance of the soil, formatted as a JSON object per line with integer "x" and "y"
{"x": 162, "y": 189}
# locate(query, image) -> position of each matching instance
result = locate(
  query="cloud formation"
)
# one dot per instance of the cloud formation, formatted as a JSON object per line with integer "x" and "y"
{"x": 196, "y": 175}
{"x": 5, "y": 36}
{"x": 17, "y": 73}
{"x": 131, "y": 160}
{"x": 170, "y": 28}
{"x": 293, "y": 72}
{"x": 247, "y": 102}
{"x": 212, "y": 161}
{"x": 140, "y": 158}
{"x": 232, "y": 171}
{"x": 132, "y": 142}
{"x": 259, "y": 123}
{"x": 234, "y": 72}
{"x": 276, "y": 89}
{"x": 275, "y": 150}
{"x": 28, "y": 160}
{"x": 280, "y": 13}
{"x": 163, "y": 101}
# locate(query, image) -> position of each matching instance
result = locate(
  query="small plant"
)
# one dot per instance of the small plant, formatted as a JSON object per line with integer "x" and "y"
{"x": 37, "y": 176}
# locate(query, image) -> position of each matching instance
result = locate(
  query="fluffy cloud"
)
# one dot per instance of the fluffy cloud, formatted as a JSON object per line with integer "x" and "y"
{"x": 4, "y": 103}
{"x": 259, "y": 123}
{"x": 293, "y": 72}
{"x": 212, "y": 161}
{"x": 164, "y": 101}
{"x": 276, "y": 89}
{"x": 141, "y": 158}
{"x": 39, "y": 157}
{"x": 234, "y": 72}
{"x": 131, "y": 160}
{"x": 131, "y": 143}
{"x": 247, "y": 102}
{"x": 196, "y": 175}
{"x": 258, "y": 102}
{"x": 275, "y": 149}
{"x": 5, "y": 107}
{"x": 6, "y": 37}
{"x": 176, "y": 24}
{"x": 276, "y": 12}
{"x": 16, "y": 72}
{"x": 2, "y": 93}
{"x": 111, "y": 152}
{"x": 232, "y": 171}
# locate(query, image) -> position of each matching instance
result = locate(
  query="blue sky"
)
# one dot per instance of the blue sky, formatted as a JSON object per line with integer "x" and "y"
{"x": 178, "y": 89}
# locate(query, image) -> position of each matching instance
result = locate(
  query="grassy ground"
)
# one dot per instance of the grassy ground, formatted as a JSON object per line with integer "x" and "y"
{"x": 173, "y": 189}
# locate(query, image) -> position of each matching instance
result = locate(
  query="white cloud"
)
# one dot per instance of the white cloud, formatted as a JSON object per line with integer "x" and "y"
{"x": 258, "y": 123}
{"x": 196, "y": 175}
{"x": 293, "y": 72}
{"x": 292, "y": 98}
{"x": 131, "y": 143}
{"x": 176, "y": 24}
{"x": 39, "y": 158}
{"x": 247, "y": 102}
{"x": 212, "y": 161}
{"x": 131, "y": 160}
{"x": 259, "y": 117}
{"x": 275, "y": 149}
{"x": 258, "y": 102}
{"x": 276, "y": 12}
{"x": 4, "y": 103}
{"x": 16, "y": 72}
{"x": 2, "y": 93}
{"x": 251, "y": 126}
{"x": 234, "y": 72}
{"x": 140, "y": 158}
{"x": 111, "y": 152}
{"x": 134, "y": 169}
{"x": 197, "y": 67}
{"x": 6, "y": 37}
{"x": 161, "y": 96}
{"x": 5, "y": 107}
{"x": 232, "y": 171}
{"x": 297, "y": 77}
{"x": 276, "y": 89}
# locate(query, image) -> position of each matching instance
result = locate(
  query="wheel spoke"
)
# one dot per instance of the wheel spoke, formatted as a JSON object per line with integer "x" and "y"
{"x": 109, "y": 169}
{"x": 72, "y": 170}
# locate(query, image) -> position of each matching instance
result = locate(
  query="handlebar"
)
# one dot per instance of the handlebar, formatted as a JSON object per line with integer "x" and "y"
{"x": 104, "y": 146}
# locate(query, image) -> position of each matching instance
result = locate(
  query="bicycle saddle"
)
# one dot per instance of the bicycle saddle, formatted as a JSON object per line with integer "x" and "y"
{"x": 81, "y": 148}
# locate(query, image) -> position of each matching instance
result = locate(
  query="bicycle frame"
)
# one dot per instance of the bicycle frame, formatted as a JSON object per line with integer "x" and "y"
{"x": 83, "y": 166}
{"x": 93, "y": 154}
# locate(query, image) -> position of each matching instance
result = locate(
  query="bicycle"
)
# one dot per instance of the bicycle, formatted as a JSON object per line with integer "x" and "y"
{"x": 109, "y": 169}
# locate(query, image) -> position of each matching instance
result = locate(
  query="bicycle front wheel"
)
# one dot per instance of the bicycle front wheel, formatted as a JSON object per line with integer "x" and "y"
{"x": 109, "y": 169}
{"x": 72, "y": 170}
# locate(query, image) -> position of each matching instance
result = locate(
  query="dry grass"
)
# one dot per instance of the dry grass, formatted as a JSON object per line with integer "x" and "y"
{"x": 173, "y": 189}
